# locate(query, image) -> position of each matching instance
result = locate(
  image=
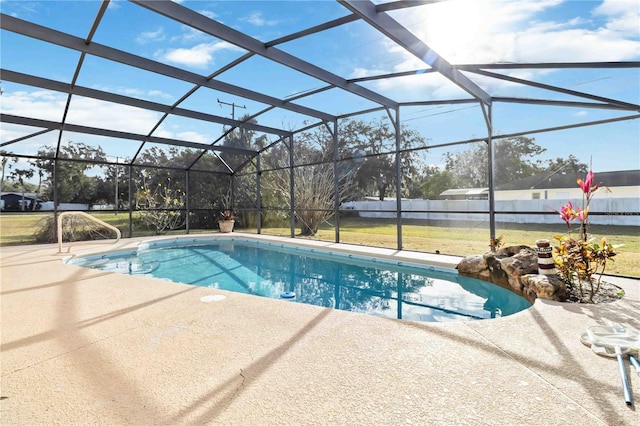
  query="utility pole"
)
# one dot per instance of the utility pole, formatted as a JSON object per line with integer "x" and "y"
{"x": 233, "y": 107}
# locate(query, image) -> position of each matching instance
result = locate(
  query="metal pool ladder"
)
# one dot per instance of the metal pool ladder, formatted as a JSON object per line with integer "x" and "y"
{"x": 88, "y": 216}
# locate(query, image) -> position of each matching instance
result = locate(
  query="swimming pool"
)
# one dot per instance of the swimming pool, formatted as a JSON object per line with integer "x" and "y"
{"x": 348, "y": 282}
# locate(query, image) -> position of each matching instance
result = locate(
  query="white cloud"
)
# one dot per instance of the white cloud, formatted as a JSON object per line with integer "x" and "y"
{"x": 366, "y": 72}
{"x": 135, "y": 92}
{"x": 191, "y": 35}
{"x": 193, "y": 137}
{"x": 580, "y": 114}
{"x": 39, "y": 104}
{"x": 199, "y": 56}
{"x": 482, "y": 31}
{"x": 488, "y": 31}
{"x": 151, "y": 36}
{"x": 573, "y": 45}
{"x": 617, "y": 7}
{"x": 129, "y": 92}
{"x": 209, "y": 14}
{"x": 256, "y": 18}
{"x": 47, "y": 105}
{"x": 479, "y": 31}
{"x": 623, "y": 16}
{"x": 21, "y": 8}
{"x": 106, "y": 115}
{"x": 159, "y": 94}
{"x": 162, "y": 132}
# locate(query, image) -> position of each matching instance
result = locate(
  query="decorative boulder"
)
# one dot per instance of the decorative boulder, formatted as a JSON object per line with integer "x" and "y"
{"x": 545, "y": 287}
{"x": 514, "y": 268}
{"x": 472, "y": 264}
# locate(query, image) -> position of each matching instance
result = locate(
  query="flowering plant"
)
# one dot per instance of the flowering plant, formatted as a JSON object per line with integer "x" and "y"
{"x": 581, "y": 258}
{"x": 161, "y": 207}
{"x": 227, "y": 215}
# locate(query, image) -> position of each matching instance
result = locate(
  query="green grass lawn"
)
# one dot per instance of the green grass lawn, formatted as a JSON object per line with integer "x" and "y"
{"x": 18, "y": 228}
{"x": 473, "y": 238}
{"x": 455, "y": 238}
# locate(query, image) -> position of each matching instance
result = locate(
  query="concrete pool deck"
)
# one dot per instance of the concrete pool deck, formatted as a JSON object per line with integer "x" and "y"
{"x": 82, "y": 346}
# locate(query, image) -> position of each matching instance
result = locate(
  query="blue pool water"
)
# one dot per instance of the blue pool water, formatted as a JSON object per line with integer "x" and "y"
{"x": 348, "y": 282}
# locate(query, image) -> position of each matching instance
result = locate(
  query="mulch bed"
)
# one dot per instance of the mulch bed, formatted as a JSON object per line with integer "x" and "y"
{"x": 608, "y": 292}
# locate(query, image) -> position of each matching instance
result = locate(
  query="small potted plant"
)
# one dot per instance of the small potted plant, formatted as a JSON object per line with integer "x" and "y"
{"x": 227, "y": 220}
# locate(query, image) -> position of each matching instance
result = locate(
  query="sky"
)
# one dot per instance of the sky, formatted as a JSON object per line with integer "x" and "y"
{"x": 461, "y": 31}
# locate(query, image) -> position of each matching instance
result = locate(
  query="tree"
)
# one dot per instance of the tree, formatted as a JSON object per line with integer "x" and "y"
{"x": 4, "y": 161}
{"x": 74, "y": 160}
{"x": 38, "y": 188}
{"x": 209, "y": 190}
{"x": 570, "y": 164}
{"x": 314, "y": 183}
{"x": 161, "y": 205}
{"x": 240, "y": 137}
{"x": 244, "y": 177}
{"x": 14, "y": 181}
{"x": 273, "y": 198}
{"x": 436, "y": 182}
{"x": 115, "y": 176}
{"x": 368, "y": 166}
{"x": 377, "y": 139}
{"x": 313, "y": 190}
{"x": 19, "y": 175}
{"x": 168, "y": 173}
{"x": 513, "y": 159}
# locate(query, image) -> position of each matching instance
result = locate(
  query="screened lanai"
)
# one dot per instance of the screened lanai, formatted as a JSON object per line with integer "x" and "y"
{"x": 323, "y": 119}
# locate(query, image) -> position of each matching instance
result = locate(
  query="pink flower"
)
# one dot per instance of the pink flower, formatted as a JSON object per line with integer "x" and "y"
{"x": 567, "y": 213}
{"x": 586, "y": 184}
{"x": 582, "y": 214}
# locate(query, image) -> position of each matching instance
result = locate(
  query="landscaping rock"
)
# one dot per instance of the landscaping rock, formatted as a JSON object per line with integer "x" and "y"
{"x": 514, "y": 268}
{"x": 472, "y": 264}
{"x": 545, "y": 286}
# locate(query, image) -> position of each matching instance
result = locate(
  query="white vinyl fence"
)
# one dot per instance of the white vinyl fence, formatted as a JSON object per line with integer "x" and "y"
{"x": 618, "y": 211}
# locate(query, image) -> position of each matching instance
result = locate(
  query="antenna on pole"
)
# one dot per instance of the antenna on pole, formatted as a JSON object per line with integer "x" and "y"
{"x": 233, "y": 107}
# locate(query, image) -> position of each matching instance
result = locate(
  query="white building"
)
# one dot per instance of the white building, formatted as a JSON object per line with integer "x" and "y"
{"x": 558, "y": 186}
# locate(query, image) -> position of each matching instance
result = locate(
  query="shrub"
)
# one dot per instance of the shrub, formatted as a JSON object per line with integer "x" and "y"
{"x": 161, "y": 208}
{"x": 578, "y": 259}
{"x": 74, "y": 228}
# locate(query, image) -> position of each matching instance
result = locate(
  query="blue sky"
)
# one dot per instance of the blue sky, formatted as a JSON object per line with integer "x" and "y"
{"x": 461, "y": 31}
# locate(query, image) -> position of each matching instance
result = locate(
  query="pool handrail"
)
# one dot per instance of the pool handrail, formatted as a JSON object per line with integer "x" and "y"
{"x": 88, "y": 216}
